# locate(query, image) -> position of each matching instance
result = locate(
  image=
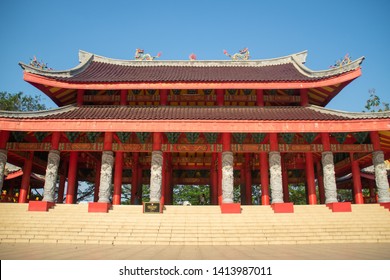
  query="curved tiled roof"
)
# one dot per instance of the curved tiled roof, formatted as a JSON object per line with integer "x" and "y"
{"x": 94, "y": 112}
{"x": 98, "y": 69}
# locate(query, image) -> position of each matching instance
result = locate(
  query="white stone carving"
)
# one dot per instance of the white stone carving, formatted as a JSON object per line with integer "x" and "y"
{"x": 329, "y": 177}
{"x": 106, "y": 176}
{"x": 53, "y": 161}
{"x": 156, "y": 176}
{"x": 3, "y": 161}
{"x": 227, "y": 177}
{"x": 276, "y": 184}
{"x": 382, "y": 183}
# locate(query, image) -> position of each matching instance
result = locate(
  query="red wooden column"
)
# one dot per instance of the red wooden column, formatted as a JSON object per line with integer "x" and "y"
{"x": 304, "y": 97}
{"x": 168, "y": 179}
{"x": 25, "y": 186}
{"x": 163, "y": 97}
{"x": 310, "y": 179}
{"x": 220, "y": 97}
{"x": 61, "y": 189}
{"x": 265, "y": 199}
{"x": 248, "y": 180}
{"x": 123, "y": 97}
{"x": 357, "y": 182}
{"x": 219, "y": 193}
{"x": 80, "y": 97}
{"x": 320, "y": 180}
{"x": 286, "y": 193}
{"x": 61, "y": 185}
{"x": 134, "y": 178}
{"x": 72, "y": 174}
{"x": 164, "y": 182}
{"x": 259, "y": 97}
{"x": 116, "y": 199}
{"x": 97, "y": 181}
{"x": 214, "y": 179}
{"x": 157, "y": 167}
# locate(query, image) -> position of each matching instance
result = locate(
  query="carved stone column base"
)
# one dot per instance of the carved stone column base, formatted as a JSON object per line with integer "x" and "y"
{"x": 340, "y": 206}
{"x": 382, "y": 183}
{"x": 106, "y": 176}
{"x": 53, "y": 161}
{"x": 98, "y": 207}
{"x": 287, "y": 207}
{"x": 156, "y": 176}
{"x": 43, "y": 206}
{"x": 3, "y": 161}
{"x": 276, "y": 182}
{"x": 227, "y": 177}
{"x": 329, "y": 177}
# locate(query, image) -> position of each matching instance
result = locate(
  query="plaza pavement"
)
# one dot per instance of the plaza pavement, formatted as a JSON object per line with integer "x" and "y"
{"x": 340, "y": 251}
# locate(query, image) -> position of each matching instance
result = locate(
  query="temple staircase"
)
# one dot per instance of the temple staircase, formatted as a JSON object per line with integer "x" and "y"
{"x": 194, "y": 225}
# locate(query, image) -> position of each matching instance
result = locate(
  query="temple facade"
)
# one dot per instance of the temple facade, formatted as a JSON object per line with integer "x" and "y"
{"x": 221, "y": 123}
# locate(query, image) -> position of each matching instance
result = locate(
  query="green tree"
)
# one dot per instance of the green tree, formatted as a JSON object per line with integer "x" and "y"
{"x": 375, "y": 104}
{"x": 20, "y": 102}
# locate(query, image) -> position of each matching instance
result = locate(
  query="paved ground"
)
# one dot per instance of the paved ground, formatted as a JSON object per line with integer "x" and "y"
{"x": 364, "y": 251}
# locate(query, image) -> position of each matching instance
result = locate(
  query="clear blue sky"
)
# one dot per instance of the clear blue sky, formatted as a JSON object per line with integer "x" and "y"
{"x": 55, "y": 31}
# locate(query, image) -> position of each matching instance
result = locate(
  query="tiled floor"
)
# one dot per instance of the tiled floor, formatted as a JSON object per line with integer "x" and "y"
{"x": 363, "y": 251}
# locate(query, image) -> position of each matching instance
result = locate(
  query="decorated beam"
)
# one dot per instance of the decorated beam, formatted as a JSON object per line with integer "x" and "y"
{"x": 185, "y": 148}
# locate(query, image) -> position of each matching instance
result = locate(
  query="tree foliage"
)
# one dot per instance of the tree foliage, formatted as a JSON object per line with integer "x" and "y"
{"x": 20, "y": 102}
{"x": 375, "y": 104}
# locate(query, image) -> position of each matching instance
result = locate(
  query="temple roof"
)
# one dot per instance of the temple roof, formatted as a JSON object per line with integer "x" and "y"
{"x": 98, "y": 69}
{"x": 94, "y": 112}
{"x": 98, "y": 73}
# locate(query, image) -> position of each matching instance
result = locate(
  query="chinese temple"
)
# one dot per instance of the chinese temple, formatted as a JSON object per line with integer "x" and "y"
{"x": 221, "y": 123}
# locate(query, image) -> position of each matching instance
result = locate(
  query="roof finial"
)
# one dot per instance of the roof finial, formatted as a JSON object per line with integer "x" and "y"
{"x": 341, "y": 62}
{"x": 140, "y": 55}
{"x": 192, "y": 56}
{"x": 241, "y": 55}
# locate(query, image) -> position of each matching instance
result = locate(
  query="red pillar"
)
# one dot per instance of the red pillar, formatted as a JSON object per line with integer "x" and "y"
{"x": 123, "y": 97}
{"x": 273, "y": 142}
{"x": 134, "y": 177}
{"x": 25, "y": 186}
{"x": 163, "y": 97}
{"x": 286, "y": 193}
{"x": 357, "y": 183}
{"x": 304, "y": 97}
{"x": 375, "y": 140}
{"x": 220, "y": 97}
{"x": 168, "y": 175}
{"x": 61, "y": 189}
{"x": 264, "y": 179}
{"x": 248, "y": 179}
{"x": 72, "y": 174}
{"x": 260, "y": 97}
{"x": 325, "y": 141}
{"x": 97, "y": 181}
{"x": 4, "y": 135}
{"x": 214, "y": 179}
{"x": 320, "y": 180}
{"x": 219, "y": 178}
{"x": 80, "y": 97}
{"x": 164, "y": 179}
{"x": 310, "y": 179}
{"x": 116, "y": 198}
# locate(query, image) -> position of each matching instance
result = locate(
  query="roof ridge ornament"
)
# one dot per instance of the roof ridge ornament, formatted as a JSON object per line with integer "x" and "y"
{"x": 341, "y": 62}
{"x": 141, "y": 55}
{"x": 241, "y": 55}
{"x": 39, "y": 64}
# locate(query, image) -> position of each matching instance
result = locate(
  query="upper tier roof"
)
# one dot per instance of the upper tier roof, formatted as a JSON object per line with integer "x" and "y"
{"x": 98, "y": 69}
{"x": 98, "y": 73}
